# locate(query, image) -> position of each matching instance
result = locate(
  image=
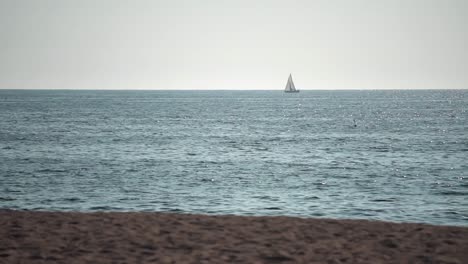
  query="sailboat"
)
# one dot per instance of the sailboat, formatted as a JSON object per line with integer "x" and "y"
{"x": 290, "y": 88}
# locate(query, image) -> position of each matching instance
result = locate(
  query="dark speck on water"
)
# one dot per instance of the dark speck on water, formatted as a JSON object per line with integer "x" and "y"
{"x": 385, "y": 155}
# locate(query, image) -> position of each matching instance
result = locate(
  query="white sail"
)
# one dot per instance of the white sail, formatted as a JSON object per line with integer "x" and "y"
{"x": 290, "y": 88}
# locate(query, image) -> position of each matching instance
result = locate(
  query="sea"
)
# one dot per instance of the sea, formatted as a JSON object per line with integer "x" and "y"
{"x": 393, "y": 155}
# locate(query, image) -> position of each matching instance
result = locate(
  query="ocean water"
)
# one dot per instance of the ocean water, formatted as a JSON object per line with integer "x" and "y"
{"x": 387, "y": 155}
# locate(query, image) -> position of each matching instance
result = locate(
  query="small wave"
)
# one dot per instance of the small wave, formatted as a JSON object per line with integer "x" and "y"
{"x": 207, "y": 180}
{"x": 342, "y": 168}
{"x": 453, "y": 213}
{"x": 210, "y": 162}
{"x": 272, "y": 208}
{"x": 172, "y": 210}
{"x": 129, "y": 198}
{"x": 38, "y": 208}
{"x": 47, "y": 201}
{"x": 320, "y": 183}
{"x": 104, "y": 208}
{"x": 384, "y": 200}
{"x": 377, "y": 210}
{"x": 452, "y": 193}
{"x": 262, "y": 149}
{"x": 72, "y": 199}
{"x": 6, "y": 199}
{"x": 272, "y": 139}
{"x": 380, "y": 149}
{"x": 317, "y": 214}
{"x": 262, "y": 197}
{"x": 51, "y": 170}
{"x": 12, "y": 191}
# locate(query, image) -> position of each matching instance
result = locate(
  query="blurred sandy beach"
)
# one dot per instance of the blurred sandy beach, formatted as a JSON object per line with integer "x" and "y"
{"x": 119, "y": 237}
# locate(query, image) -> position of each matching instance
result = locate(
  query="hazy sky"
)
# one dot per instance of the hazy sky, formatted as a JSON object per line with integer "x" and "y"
{"x": 216, "y": 44}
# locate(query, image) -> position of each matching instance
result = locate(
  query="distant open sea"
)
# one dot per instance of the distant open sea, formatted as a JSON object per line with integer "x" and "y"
{"x": 385, "y": 155}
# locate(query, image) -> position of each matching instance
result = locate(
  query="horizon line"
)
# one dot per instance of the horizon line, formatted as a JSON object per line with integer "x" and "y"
{"x": 279, "y": 90}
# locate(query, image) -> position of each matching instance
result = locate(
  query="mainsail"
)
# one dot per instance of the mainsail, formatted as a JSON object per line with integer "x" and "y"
{"x": 290, "y": 88}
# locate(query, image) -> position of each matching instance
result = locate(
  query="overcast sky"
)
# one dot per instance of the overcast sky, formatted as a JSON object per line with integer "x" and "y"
{"x": 239, "y": 44}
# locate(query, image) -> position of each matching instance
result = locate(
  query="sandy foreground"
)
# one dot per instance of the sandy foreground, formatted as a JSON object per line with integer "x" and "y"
{"x": 56, "y": 237}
